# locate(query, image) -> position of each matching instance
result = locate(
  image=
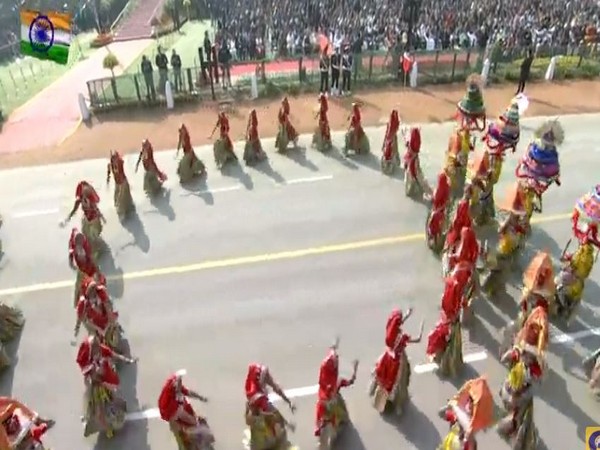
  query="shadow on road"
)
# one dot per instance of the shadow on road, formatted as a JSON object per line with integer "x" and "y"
{"x": 135, "y": 226}
{"x": 265, "y": 168}
{"x": 114, "y": 274}
{"x": 416, "y": 427}
{"x": 162, "y": 203}
{"x": 7, "y": 376}
{"x": 298, "y": 155}
{"x": 369, "y": 161}
{"x": 198, "y": 188}
{"x": 335, "y": 154}
{"x": 350, "y": 439}
{"x": 235, "y": 170}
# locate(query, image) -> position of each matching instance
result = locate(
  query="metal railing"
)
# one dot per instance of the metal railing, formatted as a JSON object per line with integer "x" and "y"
{"x": 296, "y": 75}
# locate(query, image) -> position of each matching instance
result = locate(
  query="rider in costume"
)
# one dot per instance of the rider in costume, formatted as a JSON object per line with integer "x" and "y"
{"x": 122, "y": 196}
{"x": 444, "y": 343}
{"x": 104, "y": 408}
{"x": 391, "y": 375}
{"x": 82, "y": 260}
{"x": 415, "y": 183}
{"x": 502, "y": 136}
{"x": 190, "y": 165}
{"x": 253, "y": 151}
{"x": 470, "y": 411}
{"x": 286, "y": 132}
{"x": 538, "y": 287}
{"x": 267, "y": 426}
{"x": 540, "y": 166}
{"x": 92, "y": 220}
{"x": 483, "y": 209}
{"x": 513, "y": 229}
{"x": 174, "y": 408}
{"x": 322, "y": 135}
{"x": 223, "y": 146}
{"x": 331, "y": 408}
{"x": 471, "y": 117}
{"x": 526, "y": 366}
{"x": 15, "y": 415}
{"x": 390, "y": 158}
{"x": 436, "y": 220}
{"x": 356, "y": 138}
{"x": 153, "y": 177}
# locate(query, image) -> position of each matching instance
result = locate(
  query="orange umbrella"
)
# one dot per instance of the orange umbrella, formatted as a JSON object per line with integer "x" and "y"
{"x": 539, "y": 275}
{"x": 482, "y": 415}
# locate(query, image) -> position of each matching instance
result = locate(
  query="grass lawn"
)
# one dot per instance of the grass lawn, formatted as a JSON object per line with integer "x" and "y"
{"x": 185, "y": 42}
{"x": 24, "y": 77}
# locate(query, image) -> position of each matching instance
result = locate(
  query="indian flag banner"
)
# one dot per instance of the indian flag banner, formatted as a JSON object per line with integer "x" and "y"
{"x": 46, "y": 35}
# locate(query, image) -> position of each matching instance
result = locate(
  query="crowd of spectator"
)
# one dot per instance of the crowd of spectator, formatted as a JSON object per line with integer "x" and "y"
{"x": 253, "y": 28}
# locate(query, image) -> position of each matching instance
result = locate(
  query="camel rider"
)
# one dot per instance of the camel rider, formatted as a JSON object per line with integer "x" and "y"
{"x": 190, "y": 165}
{"x": 483, "y": 209}
{"x": 153, "y": 177}
{"x": 538, "y": 287}
{"x": 122, "y": 195}
{"x": 502, "y": 136}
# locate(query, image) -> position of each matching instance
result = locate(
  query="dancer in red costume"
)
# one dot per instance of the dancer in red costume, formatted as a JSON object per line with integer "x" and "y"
{"x": 464, "y": 269}
{"x": 15, "y": 418}
{"x": 322, "y": 136}
{"x": 104, "y": 408}
{"x": 462, "y": 219}
{"x": 190, "y": 166}
{"x": 415, "y": 184}
{"x": 436, "y": 220}
{"x": 391, "y": 375}
{"x": 122, "y": 196}
{"x": 223, "y": 146}
{"x": 390, "y": 158}
{"x": 286, "y": 132}
{"x": 82, "y": 260}
{"x": 266, "y": 425}
{"x": 153, "y": 177}
{"x": 331, "y": 411}
{"x": 87, "y": 198}
{"x": 190, "y": 430}
{"x": 444, "y": 343}
{"x": 356, "y": 139}
{"x": 253, "y": 151}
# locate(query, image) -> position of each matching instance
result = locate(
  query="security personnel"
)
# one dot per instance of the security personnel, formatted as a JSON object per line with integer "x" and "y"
{"x": 336, "y": 60}
{"x": 347, "y": 62}
{"x": 324, "y": 68}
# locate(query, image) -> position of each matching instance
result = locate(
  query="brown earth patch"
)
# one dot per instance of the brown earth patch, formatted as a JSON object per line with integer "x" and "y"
{"x": 124, "y": 131}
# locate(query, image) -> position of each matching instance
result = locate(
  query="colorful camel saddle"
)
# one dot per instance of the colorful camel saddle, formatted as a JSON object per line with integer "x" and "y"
{"x": 540, "y": 164}
{"x": 588, "y": 206}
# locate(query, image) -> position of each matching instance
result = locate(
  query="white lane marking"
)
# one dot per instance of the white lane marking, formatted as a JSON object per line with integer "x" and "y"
{"x": 305, "y": 180}
{"x": 38, "y": 212}
{"x": 306, "y": 391}
{"x": 237, "y": 187}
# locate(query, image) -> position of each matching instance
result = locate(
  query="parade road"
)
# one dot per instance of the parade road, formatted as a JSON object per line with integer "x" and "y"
{"x": 270, "y": 264}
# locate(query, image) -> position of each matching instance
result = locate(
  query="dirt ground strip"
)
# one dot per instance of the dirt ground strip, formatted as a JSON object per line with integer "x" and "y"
{"x": 124, "y": 131}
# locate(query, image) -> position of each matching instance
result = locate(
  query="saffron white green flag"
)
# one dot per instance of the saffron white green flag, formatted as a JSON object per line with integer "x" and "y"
{"x": 46, "y": 35}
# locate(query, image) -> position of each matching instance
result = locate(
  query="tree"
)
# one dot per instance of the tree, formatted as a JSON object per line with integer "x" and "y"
{"x": 110, "y": 62}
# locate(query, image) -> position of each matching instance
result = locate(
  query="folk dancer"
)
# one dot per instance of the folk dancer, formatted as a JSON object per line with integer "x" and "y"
{"x": 104, "y": 408}
{"x": 436, "y": 219}
{"x": 471, "y": 117}
{"x": 153, "y": 177}
{"x": 461, "y": 219}
{"x": 539, "y": 168}
{"x": 95, "y": 312}
{"x": 223, "y": 146}
{"x": 81, "y": 259}
{"x": 356, "y": 139}
{"x": 92, "y": 220}
{"x": 511, "y": 235}
{"x": 253, "y": 151}
{"x": 331, "y": 411}
{"x": 483, "y": 209}
{"x": 444, "y": 343}
{"x": 266, "y": 425}
{"x": 463, "y": 265}
{"x": 502, "y": 136}
{"x": 286, "y": 133}
{"x": 577, "y": 266}
{"x": 415, "y": 184}
{"x": 21, "y": 427}
{"x": 526, "y": 369}
{"x": 322, "y": 135}
{"x": 122, "y": 196}
{"x": 191, "y": 431}
{"x": 190, "y": 165}
{"x": 390, "y": 158}
{"x": 391, "y": 375}
{"x": 470, "y": 411}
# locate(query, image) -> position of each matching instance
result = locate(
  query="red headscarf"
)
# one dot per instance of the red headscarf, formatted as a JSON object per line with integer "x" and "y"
{"x": 414, "y": 143}
{"x": 442, "y": 190}
{"x": 328, "y": 376}
{"x": 392, "y": 328}
{"x": 167, "y": 401}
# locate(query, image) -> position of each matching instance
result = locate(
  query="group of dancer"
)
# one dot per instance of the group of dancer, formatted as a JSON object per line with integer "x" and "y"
{"x": 461, "y": 201}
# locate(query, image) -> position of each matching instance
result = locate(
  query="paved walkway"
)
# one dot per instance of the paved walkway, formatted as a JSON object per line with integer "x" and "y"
{"x": 53, "y": 114}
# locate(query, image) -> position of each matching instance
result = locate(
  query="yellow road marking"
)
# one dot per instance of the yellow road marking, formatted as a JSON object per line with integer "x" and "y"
{"x": 245, "y": 260}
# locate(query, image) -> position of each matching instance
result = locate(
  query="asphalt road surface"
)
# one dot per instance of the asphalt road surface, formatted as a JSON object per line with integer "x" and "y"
{"x": 269, "y": 265}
